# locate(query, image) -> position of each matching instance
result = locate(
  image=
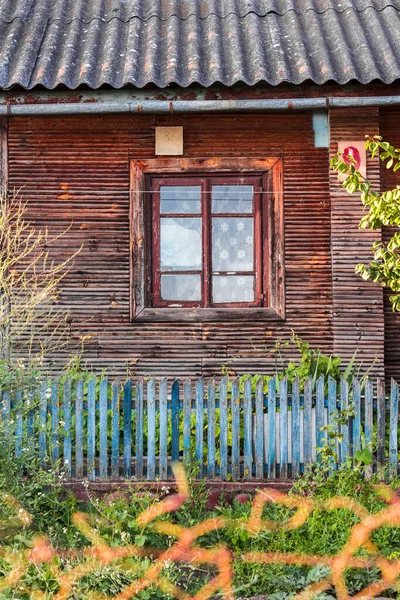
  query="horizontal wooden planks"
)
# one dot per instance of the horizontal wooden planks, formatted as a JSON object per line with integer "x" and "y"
{"x": 76, "y": 170}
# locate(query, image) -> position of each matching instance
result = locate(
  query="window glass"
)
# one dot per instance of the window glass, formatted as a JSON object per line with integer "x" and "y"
{"x": 232, "y": 199}
{"x": 180, "y": 244}
{"x": 232, "y": 244}
{"x": 232, "y": 288}
{"x": 183, "y": 288}
{"x": 180, "y": 199}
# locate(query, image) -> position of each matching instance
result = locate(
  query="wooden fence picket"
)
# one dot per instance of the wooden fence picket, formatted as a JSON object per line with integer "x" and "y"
{"x": 380, "y": 427}
{"x": 307, "y": 422}
{"x": 271, "y": 435}
{"x": 283, "y": 429}
{"x": 187, "y": 414}
{"x": 163, "y": 409}
{"x": 259, "y": 430}
{"x": 91, "y": 434}
{"x": 368, "y": 427}
{"x": 199, "y": 424}
{"x": 103, "y": 419}
{"x": 211, "y": 430}
{"x": 55, "y": 421}
{"x": 296, "y": 428}
{"x": 128, "y": 428}
{"x": 151, "y": 430}
{"x": 175, "y": 421}
{"x": 394, "y": 419}
{"x": 223, "y": 411}
{"x": 356, "y": 442}
{"x": 79, "y": 429}
{"x": 247, "y": 428}
{"x": 235, "y": 408}
{"x": 115, "y": 429}
{"x": 67, "y": 455}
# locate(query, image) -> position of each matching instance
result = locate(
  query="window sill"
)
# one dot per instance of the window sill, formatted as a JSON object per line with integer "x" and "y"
{"x": 196, "y": 315}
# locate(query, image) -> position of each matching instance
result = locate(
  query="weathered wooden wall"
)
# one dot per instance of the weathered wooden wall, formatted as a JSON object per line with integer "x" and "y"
{"x": 390, "y": 131}
{"x": 358, "y": 316}
{"x": 75, "y": 169}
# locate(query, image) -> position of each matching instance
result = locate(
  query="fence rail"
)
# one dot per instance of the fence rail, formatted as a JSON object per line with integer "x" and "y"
{"x": 233, "y": 429}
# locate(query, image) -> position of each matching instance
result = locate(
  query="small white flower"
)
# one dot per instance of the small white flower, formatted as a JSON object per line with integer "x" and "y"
{"x": 217, "y": 243}
{"x": 224, "y": 254}
{"x": 233, "y": 241}
{"x": 241, "y": 254}
{"x": 249, "y": 240}
{"x": 224, "y": 282}
{"x": 224, "y": 226}
{"x": 240, "y": 226}
{"x": 186, "y": 205}
{"x": 241, "y": 281}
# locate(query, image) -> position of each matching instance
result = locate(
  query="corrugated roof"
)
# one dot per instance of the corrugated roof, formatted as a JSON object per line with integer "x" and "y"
{"x": 121, "y": 42}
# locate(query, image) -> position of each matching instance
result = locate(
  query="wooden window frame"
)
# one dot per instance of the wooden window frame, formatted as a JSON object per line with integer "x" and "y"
{"x": 141, "y": 171}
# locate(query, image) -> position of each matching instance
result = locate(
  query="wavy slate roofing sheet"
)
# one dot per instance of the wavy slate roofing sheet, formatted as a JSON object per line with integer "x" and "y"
{"x": 120, "y": 42}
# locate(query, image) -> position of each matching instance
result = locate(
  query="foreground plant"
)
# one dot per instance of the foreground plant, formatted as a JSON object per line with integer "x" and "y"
{"x": 382, "y": 209}
{"x": 288, "y": 546}
{"x": 31, "y": 322}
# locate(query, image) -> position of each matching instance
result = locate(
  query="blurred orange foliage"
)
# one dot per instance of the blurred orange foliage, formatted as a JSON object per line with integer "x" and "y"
{"x": 185, "y": 549}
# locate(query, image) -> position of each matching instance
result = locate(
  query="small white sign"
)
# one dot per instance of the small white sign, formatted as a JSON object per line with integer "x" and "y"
{"x": 354, "y": 150}
{"x": 169, "y": 141}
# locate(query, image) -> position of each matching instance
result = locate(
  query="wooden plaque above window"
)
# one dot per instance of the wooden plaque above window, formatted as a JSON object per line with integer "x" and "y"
{"x": 207, "y": 239}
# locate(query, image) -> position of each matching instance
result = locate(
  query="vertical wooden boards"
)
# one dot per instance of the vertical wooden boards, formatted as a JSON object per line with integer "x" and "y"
{"x": 247, "y": 428}
{"x": 332, "y": 412}
{"x": 211, "y": 416}
{"x": 151, "y": 430}
{"x": 223, "y": 411}
{"x": 259, "y": 432}
{"x": 271, "y": 429}
{"x": 344, "y": 405}
{"x": 19, "y": 426}
{"x": 296, "y": 428}
{"x": 235, "y": 408}
{"x": 283, "y": 429}
{"x": 357, "y": 416}
{"x": 55, "y": 421}
{"x": 115, "y": 429}
{"x": 380, "y": 429}
{"x": 307, "y": 423}
{"x": 199, "y": 424}
{"x": 91, "y": 432}
{"x": 67, "y": 427}
{"x": 319, "y": 412}
{"x": 79, "y": 429}
{"x": 103, "y": 454}
{"x": 139, "y": 428}
{"x": 187, "y": 413}
{"x": 394, "y": 421}
{"x": 175, "y": 421}
{"x": 163, "y": 404}
{"x": 368, "y": 427}
{"x": 127, "y": 417}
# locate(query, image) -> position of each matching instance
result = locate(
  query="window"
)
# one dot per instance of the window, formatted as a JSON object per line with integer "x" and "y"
{"x": 206, "y": 245}
{"x": 206, "y": 242}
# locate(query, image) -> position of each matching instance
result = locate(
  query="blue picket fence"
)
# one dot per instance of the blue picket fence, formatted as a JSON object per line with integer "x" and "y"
{"x": 232, "y": 429}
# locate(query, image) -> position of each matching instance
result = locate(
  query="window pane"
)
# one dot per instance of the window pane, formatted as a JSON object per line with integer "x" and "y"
{"x": 232, "y": 198}
{"x": 180, "y": 199}
{"x": 232, "y": 288}
{"x": 232, "y": 244}
{"x": 181, "y": 287}
{"x": 180, "y": 244}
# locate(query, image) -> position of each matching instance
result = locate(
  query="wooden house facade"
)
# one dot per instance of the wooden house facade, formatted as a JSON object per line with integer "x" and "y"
{"x": 185, "y": 146}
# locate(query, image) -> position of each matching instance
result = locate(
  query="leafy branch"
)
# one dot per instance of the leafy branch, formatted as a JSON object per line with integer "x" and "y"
{"x": 382, "y": 209}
